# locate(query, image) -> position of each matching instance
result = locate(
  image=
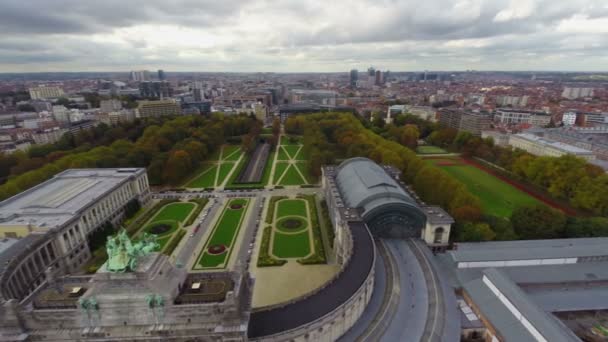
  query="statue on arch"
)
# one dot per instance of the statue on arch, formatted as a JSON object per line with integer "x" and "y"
{"x": 123, "y": 253}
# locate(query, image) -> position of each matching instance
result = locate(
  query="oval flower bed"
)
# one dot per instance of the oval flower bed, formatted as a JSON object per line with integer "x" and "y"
{"x": 216, "y": 249}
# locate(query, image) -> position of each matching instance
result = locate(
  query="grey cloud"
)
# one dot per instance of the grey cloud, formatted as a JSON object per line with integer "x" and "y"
{"x": 295, "y": 34}
{"x": 84, "y": 16}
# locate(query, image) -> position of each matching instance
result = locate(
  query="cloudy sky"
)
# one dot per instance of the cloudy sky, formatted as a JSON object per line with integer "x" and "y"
{"x": 303, "y": 35}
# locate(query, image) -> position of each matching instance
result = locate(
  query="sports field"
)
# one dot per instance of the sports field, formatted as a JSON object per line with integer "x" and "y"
{"x": 290, "y": 166}
{"x": 215, "y": 171}
{"x": 429, "y": 149}
{"x": 218, "y": 247}
{"x": 496, "y": 196}
{"x": 166, "y": 222}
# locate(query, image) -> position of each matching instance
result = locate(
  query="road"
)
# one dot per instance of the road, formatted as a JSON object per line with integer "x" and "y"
{"x": 433, "y": 329}
{"x": 189, "y": 248}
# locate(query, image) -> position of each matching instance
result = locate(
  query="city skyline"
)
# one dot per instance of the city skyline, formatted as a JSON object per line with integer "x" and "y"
{"x": 261, "y": 36}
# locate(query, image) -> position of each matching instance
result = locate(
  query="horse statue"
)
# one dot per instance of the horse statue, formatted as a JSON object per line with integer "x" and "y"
{"x": 123, "y": 253}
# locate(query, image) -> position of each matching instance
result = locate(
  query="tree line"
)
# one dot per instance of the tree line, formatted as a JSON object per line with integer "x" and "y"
{"x": 19, "y": 162}
{"x": 171, "y": 148}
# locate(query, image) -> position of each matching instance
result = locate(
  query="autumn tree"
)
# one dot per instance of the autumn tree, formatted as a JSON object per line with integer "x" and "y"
{"x": 538, "y": 222}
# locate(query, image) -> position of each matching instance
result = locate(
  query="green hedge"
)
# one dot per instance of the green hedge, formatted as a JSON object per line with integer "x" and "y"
{"x": 329, "y": 228}
{"x": 177, "y": 237}
{"x": 201, "y": 203}
{"x": 264, "y": 259}
{"x": 319, "y": 256}
{"x": 271, "y": 204}
{"x": 134, "y": 226}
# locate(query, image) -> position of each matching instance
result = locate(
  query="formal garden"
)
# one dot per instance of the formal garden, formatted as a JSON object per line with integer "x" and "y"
{"x": 291, "y": 231}
{"x": 218, "y": 248}
{"x": 290, "y": 166}
{"x": 216, "y": 169}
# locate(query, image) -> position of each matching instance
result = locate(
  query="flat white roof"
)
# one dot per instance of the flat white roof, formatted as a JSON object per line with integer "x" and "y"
{"x": 557, "y": 145}
{"x": 56, "y": 201}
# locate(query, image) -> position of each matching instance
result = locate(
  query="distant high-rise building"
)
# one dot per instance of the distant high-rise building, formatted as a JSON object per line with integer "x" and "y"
{"x": 161, "y": 75}
{"x": 354, "y": 76}
{"x": 379, "y": 80}
{"x": 44, "y": 92}
{"x": 371, "y": 71}
{"x": 198, "y": 91}
{"x": 160, "y": 89}
{"x": 576, "y": 92}
{"x": 139, "y": 76}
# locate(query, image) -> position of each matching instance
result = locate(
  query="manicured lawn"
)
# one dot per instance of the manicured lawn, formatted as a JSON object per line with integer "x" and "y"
{"x": 289, "y": 207}
{"x": 429, "y": 149}
{"x": 291, "y": 245}
{"x": 292, "y": 177}
{"x": 304, "y": 170}
{"x": 282, "y": 154}
{"x": 292, "y": 150}
{"x": 172, "y": 214}
{"x": 496, "y": 197}
{"x": 224, "y": 171}
{"x": 279, "y": 169}
{"x": 231, "y": 153}
{"x": 224, "y": 233}
{"x": 174, "y": 211}
{"x": 205, "y": 180}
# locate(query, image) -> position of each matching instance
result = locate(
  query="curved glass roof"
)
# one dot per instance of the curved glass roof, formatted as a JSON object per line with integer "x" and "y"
{"x": 364, "y": 184}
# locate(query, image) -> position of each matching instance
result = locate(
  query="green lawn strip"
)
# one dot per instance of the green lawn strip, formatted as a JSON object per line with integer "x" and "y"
{"x": 224, "y": 232}
{"x": 224, "y": 171}
{"x": 497, "y": 197}
{"x": 292, "y": 150}
{"x": 279, "y": 169}
{"x": 136, "y": 226}
{"x": 303, "y": 167}
{"x": 235, "y": 174}
{"x": 292, "y": 177}
{"x": 318, "y": 257}
{"x": 291, "y": 207}
{"x": 299, "y": 155}
{"x": 271, "y": 205}
{"x": 291, "y": 245}
{"x": 282, "y": 154}
{"x": 212, "y": 261}
{"x": 175, "y": 211}
{"x": 264, "y": 257}
{"x": 231, "y": 153}
{"x": 205, "y": 179}
{"x": 429, "y": 149}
